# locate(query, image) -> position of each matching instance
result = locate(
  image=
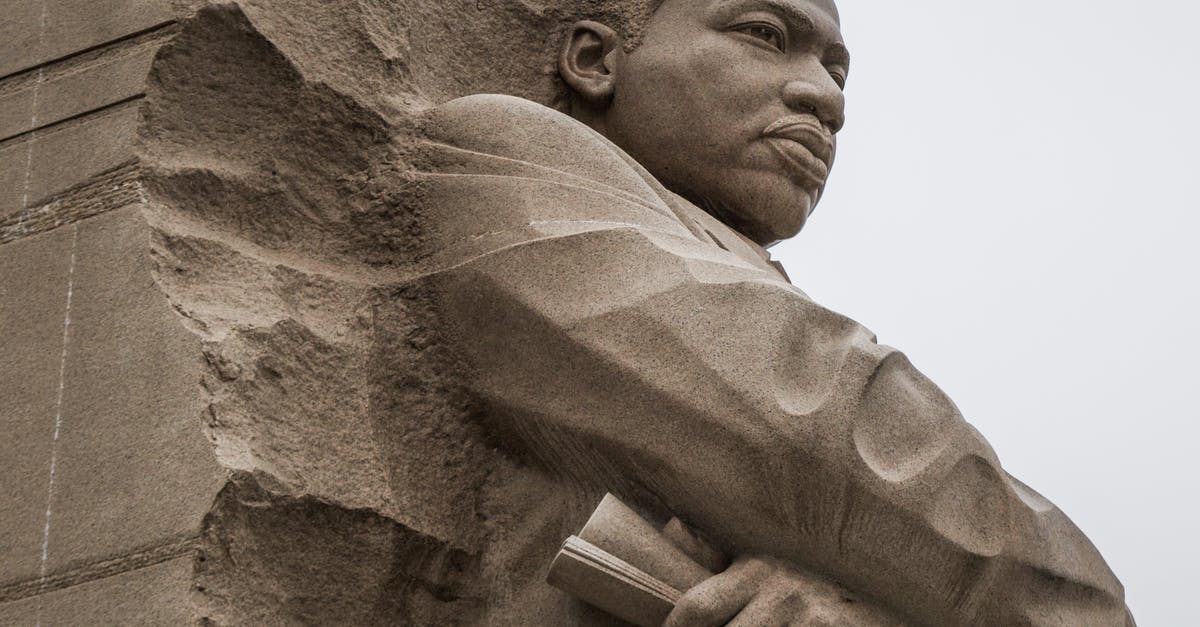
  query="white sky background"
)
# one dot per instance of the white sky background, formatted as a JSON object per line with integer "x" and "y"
{"x": 1015, "y": 206}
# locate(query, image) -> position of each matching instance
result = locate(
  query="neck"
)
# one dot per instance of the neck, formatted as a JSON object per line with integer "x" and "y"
{"x": 590, "y": 115}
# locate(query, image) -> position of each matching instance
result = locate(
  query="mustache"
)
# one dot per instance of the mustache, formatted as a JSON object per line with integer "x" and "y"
{"x": 805, "y": 130}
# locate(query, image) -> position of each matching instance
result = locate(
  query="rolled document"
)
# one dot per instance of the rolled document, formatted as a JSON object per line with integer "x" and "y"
{"x": 623, "y": 565}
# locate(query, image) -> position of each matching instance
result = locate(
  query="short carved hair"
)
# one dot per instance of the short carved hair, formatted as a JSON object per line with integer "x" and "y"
{"x": 502, "y": 46}
{"x": 627, "y": 17}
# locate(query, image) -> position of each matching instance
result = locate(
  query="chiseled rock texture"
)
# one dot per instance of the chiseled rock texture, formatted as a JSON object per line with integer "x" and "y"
{"x": 105, "y": 471}
{"x": 220, "y": 399}
{"x": 283, "y": 234}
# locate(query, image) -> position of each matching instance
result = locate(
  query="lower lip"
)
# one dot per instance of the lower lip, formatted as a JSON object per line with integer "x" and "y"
{"x": 805, "y": 168}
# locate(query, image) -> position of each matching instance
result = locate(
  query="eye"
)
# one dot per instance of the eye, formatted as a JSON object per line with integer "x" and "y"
{"x": 839, "y": 78}
{"x": 766, "y": 33}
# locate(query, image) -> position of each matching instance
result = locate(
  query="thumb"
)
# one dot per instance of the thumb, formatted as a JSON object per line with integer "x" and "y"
{"x": 694, "y": 546}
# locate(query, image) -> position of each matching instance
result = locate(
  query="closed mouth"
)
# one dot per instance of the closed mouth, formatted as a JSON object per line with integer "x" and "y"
{"x": 805, "y": 145}
{"x": 805, "y": 167}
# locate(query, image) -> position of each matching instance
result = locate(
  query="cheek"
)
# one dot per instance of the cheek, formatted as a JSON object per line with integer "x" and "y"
{"x": 719, "y": 97}
{"x": 693, "y": 114}
{"x": 708, "y": 74}
{"x": 719, "y": 78}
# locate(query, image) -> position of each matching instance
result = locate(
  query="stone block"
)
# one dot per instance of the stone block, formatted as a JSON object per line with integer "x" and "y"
{"x": 33, "y": 299}
{"x": 64, "y": 156}
{"x": 77, "y": 87}
{"x": 69, "y": 155}
{"x": 17, "y": 107}
{"x": 14, "y": 162}
{"x": 155, "y": 595}
{"x": 134, "y": 465}
{"x": 71, "y": 26}
{"x": 21, "y": 32}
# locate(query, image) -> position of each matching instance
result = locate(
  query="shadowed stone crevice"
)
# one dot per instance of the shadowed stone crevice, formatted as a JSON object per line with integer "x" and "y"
{"x": 108, "y": 191}
{"x": 85, "y": 572}
{"x": 271, "y": 559}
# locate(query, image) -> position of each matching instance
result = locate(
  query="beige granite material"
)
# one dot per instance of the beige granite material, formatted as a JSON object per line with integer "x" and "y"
{"x": 155, "y": 595}
{"x": 40, "y": 164}
{"x": 45, "y": 30}
{"x": 353, "y": 338}
{"x": 86, "y": 82}
{"x": 142, "y": 436}
{"x": 465, "y": 319}
{"x": 33, "y": 301}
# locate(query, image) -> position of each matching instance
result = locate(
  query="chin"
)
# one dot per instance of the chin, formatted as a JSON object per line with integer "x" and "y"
{"x": 767, "y": 208}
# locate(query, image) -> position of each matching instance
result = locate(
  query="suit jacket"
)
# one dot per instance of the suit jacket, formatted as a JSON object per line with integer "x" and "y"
{"x": 613, "y": 336}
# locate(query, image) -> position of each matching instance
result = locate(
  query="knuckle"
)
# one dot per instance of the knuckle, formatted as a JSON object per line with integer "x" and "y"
{"x": 693, "y": 607}
{"x": 755, "y": 568}
{"x": 794, "y": 601}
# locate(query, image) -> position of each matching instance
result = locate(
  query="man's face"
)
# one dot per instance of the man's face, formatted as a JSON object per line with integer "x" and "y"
{"x": 734, "y": 105}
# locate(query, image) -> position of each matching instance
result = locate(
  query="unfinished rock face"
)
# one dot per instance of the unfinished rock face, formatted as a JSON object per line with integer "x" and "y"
{"x": 271, "y": 559}
{"x": 284, "y": 234}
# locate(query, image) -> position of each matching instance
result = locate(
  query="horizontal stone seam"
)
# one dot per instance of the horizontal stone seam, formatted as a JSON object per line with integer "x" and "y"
{"x": 116, "y": 188}
{"x": 71, "y": 120}
{"x": 100, "y": 569}
{"x": 81, "y": 62}
{"x": 17, "y": 75}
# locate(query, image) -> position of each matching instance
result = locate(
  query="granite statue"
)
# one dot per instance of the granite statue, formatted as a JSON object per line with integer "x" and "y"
{"x": 456, "y": 287}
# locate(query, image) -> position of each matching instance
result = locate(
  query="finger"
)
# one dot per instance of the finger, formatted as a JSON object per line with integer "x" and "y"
{"x": 719, "y": 598}
{"x": 816, "y": 616}
{"x": 773, "y": 607}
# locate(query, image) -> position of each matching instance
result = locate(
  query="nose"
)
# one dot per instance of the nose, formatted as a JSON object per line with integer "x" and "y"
{"x": 814, "y": 91}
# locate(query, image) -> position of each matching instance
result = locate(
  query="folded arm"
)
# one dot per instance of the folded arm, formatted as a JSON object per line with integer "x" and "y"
{"x": 629, "y": 349}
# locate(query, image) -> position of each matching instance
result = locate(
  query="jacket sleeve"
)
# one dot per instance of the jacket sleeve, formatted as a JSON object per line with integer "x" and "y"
{"x": 618, "y": 345}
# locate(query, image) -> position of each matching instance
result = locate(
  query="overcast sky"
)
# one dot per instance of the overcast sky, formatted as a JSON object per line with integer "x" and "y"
{"x": 1014, "y": 206}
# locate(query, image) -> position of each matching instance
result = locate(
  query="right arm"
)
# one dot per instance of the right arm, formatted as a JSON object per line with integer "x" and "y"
{"x": 632, "y": 353}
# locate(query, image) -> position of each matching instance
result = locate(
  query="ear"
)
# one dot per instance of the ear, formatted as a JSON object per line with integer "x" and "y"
{"x": 587, "y": 61}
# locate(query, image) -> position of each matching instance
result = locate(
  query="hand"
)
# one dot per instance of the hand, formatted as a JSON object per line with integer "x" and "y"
{"x": 764, "y": 591}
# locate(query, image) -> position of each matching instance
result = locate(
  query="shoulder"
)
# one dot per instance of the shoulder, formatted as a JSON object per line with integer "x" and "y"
{"x": 523, "y": 131}
{"x": 495, "y": 123}
{"x": 516, "y": 162}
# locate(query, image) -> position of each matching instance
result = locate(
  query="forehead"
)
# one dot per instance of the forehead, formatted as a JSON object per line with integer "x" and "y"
{"x": 829, "y": 7}
{"x": 811, "y": 15}
{"x": 814, "y": 10}
{"x": 819, "y": 17}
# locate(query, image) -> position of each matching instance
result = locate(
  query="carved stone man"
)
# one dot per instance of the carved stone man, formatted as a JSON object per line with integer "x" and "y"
{"x": 584, "y": 294}
{"x": 625, "y": 325}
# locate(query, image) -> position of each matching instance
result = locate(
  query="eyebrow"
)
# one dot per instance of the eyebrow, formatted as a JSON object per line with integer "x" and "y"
{"x": 835, "y": 52}
{"x": 795, "y": 15}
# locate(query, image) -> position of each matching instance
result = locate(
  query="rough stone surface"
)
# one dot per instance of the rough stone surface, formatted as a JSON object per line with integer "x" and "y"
{"x": 81, "y": 84}
{"x": 33, "y": 300}
{"x": 106, "y": 192}
{"x": 14, "y": 161}
{"x": 271, "y": 559}
{"x": 362, "y": 347}
{"x": 21, "y": 30}
{"x": 324, "y": 377}
{"x": 51, "y": 29}
{"x": 39, "y": 164}
{"x": 17, "y": 106}
{"x": 71, "y": 153}
{"x": 107, "y": 471}
{"x": 437, "y": 330}
{"x": 131, "y": 415}
{"x": 156, "y": 595}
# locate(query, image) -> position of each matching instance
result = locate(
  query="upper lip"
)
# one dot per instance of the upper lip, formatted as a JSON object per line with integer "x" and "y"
{"x": 807, "y": 131}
